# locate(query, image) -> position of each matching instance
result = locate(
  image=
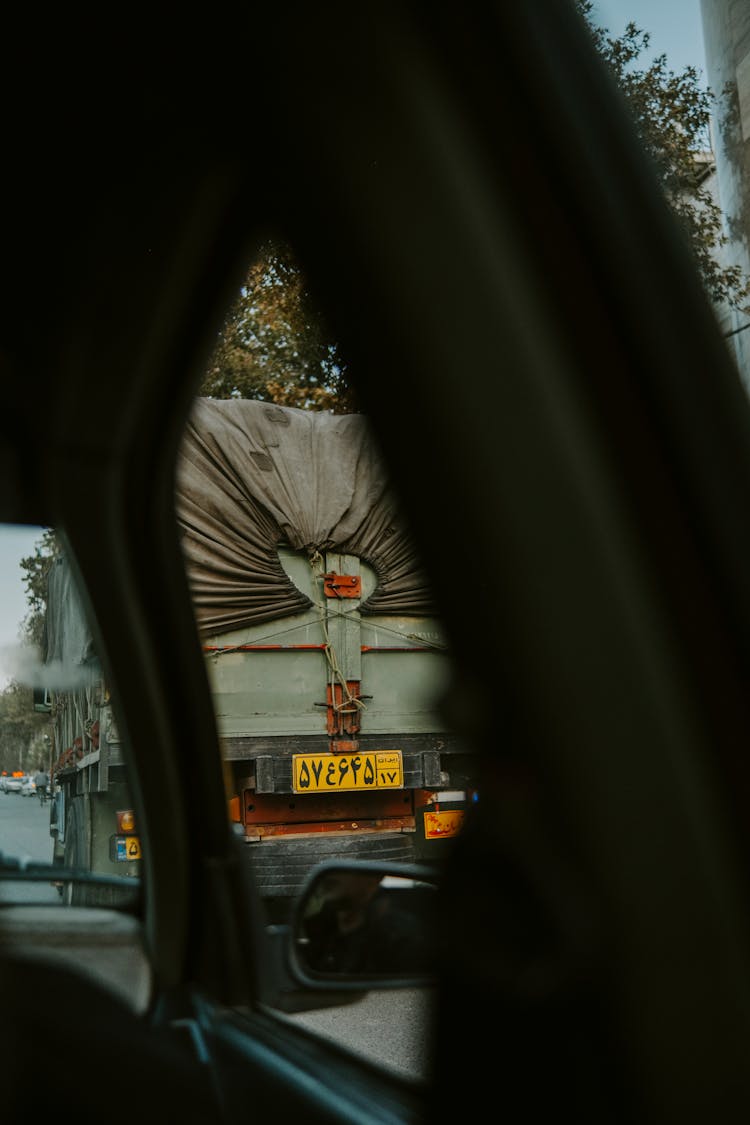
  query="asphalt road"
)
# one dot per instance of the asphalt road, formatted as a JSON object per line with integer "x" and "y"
{"x": 24, "y": 834}
{"x": 388, "y": 1027}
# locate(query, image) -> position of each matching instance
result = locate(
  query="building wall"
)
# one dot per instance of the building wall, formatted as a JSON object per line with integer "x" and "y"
{"x": 726, "y": 32}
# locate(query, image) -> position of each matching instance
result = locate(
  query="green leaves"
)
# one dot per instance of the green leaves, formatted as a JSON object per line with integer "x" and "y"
{"x": 672, "y": 115}
{"x": 275, "y": 346}
{"x": 36, "y": 568}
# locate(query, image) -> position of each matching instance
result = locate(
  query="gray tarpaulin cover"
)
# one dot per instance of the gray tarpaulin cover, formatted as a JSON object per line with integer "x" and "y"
{"x": 252, "y": 475}
{"x": 67, "y": 638}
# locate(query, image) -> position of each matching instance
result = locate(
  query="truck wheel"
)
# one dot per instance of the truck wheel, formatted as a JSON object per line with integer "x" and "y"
{"x": 280, "y": 865}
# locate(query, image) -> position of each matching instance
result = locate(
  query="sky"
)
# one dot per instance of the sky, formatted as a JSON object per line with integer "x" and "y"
{"x": 675, "y": 27}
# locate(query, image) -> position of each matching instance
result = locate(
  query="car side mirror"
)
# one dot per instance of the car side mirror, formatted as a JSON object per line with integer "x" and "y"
{"x": 359, "y": 924}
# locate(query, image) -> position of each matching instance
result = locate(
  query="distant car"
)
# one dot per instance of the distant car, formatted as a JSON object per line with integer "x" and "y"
{"x": 13, "y": 784}
{"x": 28, "y": 787}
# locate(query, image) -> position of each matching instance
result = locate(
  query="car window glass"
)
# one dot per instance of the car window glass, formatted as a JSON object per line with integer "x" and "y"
{"x": 325, "y": 653}
{"x": 66, "y": 802}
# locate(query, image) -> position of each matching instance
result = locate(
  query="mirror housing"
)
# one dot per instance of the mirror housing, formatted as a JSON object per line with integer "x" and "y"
{"x": 359, "y": 925}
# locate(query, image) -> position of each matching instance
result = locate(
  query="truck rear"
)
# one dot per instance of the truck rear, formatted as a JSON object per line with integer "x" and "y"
{"x": 326, "y": 658}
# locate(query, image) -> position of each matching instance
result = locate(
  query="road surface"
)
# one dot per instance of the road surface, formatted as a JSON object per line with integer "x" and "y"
{"x": 24, "y": 834}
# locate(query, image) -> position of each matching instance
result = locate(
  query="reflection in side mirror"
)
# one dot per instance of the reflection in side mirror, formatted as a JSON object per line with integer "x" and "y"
{"x": 365, "y": 924}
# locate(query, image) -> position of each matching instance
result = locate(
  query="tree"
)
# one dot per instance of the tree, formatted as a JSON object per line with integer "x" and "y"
{"x": 36, "y": 568}
{"x": 22, "y": 729}
{"x": 275, "y": 346}
{"x": 672, "y": 112}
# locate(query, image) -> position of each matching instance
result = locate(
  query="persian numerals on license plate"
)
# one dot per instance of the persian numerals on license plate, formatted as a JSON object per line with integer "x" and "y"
{"x": 328, "y": 773}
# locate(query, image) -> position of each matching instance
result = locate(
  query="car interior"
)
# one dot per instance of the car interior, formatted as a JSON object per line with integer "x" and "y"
{"x": 571, "y": 443}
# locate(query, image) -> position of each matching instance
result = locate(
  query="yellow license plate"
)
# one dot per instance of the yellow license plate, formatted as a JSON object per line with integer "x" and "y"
{"x": 335, "y": 773}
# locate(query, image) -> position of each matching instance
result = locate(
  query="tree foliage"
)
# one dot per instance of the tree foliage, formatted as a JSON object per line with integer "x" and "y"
{"x": 275, "y": 345}
{"x": 672, "y": 113}
{"x": 22, "y": 729}
{"x": 36, "y": 569}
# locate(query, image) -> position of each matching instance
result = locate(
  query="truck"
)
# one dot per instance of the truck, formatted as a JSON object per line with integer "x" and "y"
{"x": 325, "y": 655}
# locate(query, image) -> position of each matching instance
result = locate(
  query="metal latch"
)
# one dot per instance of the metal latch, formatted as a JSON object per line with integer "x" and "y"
{"x": 343, "y": 709}
{"x": 342, "y": 585}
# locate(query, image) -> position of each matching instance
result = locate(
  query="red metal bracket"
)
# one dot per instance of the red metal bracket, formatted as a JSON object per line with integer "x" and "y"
{"x": 342, "y": 585}
{"x": 339, "y": 746}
